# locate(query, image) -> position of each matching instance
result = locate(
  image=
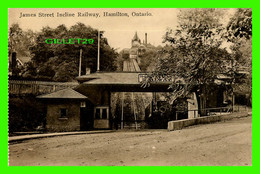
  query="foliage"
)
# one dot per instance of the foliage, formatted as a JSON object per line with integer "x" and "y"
{"x": 122, "y": 56}
{"x": 19, "y": 42}
{"x": 195, "y": 55}
{"x": 239, "y": 32}
{"x": 148, "y": 58}
{"x": 240, "y": 25}
{"x": 198, "y": 52}
{"x": 60, "y": 62}
{"x": 25, "y": 114}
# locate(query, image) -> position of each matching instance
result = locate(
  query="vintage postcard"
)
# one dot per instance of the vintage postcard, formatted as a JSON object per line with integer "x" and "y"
{"x": 130, "y": 86}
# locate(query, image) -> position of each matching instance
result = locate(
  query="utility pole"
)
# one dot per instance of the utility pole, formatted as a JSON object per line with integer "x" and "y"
{"x": 98, "y": 58}
{"x": 122, "y": 113}
{"x": 80, "y": 57}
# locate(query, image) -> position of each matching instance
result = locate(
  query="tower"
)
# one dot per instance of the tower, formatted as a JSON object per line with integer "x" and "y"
{"x": 136, "y": 41}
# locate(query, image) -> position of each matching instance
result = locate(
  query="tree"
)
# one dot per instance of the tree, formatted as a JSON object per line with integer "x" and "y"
{"x": 14, "y": 38}
{"x": 195, "y": 57}
{"x": 239, "y": 33}
{"x": 25, "y": 114}
{"x": 240, "y": 25}
{"x": 148, "y": 58}
{"x": 19, "y": 43}
{"x": 52, "y": 61}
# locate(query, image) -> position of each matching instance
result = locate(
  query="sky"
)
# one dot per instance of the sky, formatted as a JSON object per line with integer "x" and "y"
{"x": 119, "y": 30}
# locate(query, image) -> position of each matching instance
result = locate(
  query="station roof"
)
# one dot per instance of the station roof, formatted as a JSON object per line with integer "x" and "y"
{"x": 116, "y": 78}
{"x": 67, "y": 93}
{"x": 130, "y": 78}
{"x": 121, "y": 82}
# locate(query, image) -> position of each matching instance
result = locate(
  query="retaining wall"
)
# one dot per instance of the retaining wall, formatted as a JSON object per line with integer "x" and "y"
{"x": 179, "y": 124}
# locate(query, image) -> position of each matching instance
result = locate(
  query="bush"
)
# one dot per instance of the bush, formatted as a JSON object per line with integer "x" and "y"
{"x": 25, "y": 114}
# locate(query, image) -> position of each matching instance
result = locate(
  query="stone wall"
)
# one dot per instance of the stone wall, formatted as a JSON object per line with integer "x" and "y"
{"x": 180, "y": 124}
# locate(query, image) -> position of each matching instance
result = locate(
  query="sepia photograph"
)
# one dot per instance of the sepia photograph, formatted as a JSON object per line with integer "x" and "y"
{"x": 130, "y": 87}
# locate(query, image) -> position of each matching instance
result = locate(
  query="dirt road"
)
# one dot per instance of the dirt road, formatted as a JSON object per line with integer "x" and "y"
{"x": 224, "y": 143}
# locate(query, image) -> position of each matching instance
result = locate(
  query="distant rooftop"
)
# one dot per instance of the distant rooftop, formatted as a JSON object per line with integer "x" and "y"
{"x": 23, "y": 60}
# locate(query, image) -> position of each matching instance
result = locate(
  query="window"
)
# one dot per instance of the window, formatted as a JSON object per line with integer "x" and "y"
{"x": 82, "y": 104}
{"x": 101, "y": 112}
{"x": 63, "y": 113}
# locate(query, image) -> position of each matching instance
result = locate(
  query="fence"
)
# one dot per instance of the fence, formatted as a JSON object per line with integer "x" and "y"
{"x": 23, "y": 87}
